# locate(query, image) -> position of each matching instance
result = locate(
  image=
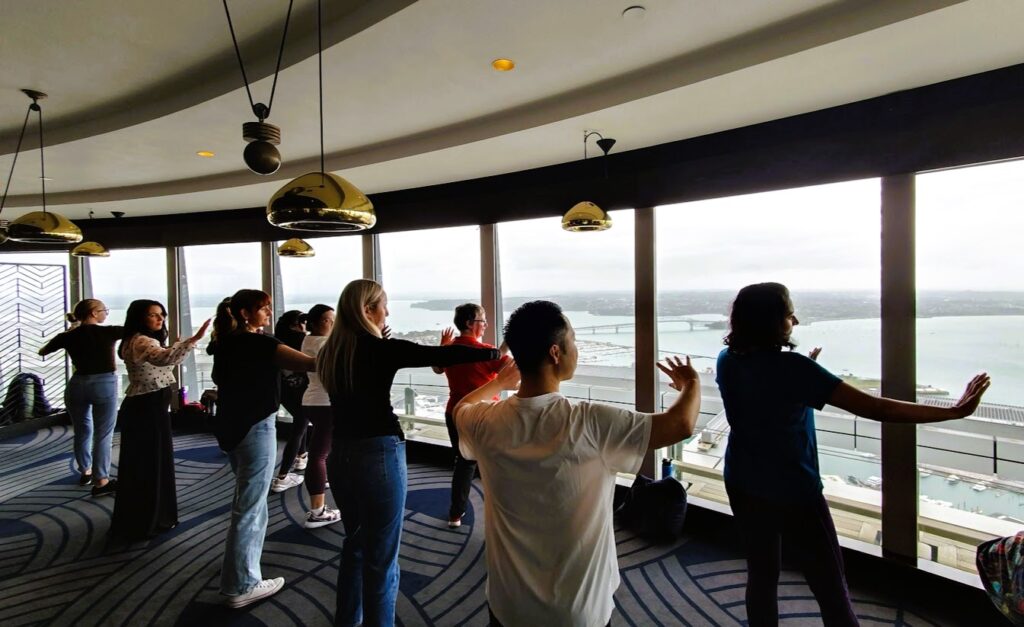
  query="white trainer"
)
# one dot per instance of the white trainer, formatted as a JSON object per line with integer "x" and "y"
{"x": 262, "y": 590}
{"x": 322, "y": 517}
{"x": 301, "y": 461}
{"x": 280, "y": 484}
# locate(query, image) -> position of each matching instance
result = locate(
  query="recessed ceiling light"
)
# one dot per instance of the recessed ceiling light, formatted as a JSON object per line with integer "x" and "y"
{"x": 205, "y": 153}
{"x": 503, "y": 65}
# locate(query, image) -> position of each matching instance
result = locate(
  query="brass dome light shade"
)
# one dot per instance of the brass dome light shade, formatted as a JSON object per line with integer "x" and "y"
{"x": 44, "y": 227}
{"x": 3, "y": 231}
{"x": 38, "y": 227}
{"x": 320, "y": 201}
{"x": 296, "y": 247}
{"x": 586, "y": 216}
{"x": 90, "y": 249}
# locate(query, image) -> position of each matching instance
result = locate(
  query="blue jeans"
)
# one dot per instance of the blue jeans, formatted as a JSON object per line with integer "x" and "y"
{"x": 370, "y": 475}
{"x": 91, "y": 400}
{"x": 253, "y": 463}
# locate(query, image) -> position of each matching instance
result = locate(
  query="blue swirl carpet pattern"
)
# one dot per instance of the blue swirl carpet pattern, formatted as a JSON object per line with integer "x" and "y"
{"x": 57, "y": 567}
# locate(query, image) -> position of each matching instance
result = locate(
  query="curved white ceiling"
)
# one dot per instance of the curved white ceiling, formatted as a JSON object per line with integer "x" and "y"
{"x": 411, "y": 100}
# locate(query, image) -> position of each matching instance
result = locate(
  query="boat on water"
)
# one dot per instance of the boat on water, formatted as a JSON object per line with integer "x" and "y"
{"x": 979, "y": 487}
{"x": 926, "y": 473}
{"x": 952, "y": 479}
{"x": 873, "y": 482}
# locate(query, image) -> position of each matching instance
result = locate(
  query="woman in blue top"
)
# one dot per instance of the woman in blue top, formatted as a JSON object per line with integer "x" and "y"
{"x": 771, "y": 462}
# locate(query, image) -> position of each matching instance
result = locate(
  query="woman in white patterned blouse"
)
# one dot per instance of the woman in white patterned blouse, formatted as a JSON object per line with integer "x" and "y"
{"x": 146, "y": 502}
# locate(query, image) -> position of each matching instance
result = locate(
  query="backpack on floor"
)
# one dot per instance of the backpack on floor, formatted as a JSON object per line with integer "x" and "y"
{"x": 654, "y": 510}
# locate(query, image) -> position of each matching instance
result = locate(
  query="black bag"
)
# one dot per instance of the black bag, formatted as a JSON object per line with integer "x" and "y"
{"x": 654, "y": 510}
{"x": 294, "y": 381}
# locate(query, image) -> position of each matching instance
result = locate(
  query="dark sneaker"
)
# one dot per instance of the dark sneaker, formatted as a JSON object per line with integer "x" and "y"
{"x": 85, "y": 479}
{"x": 109, "y": 488}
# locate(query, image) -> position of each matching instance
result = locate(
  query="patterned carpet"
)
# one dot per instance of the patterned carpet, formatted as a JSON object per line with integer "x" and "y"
{"x": 57, "y": 567}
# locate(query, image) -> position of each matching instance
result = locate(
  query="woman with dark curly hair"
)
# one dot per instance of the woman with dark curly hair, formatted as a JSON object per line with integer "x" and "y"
{"x": 771, "y": 462}
{"x": 146, "y": 502}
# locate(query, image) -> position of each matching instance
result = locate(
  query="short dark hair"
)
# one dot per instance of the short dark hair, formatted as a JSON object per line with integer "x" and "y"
{"x": 757, "y": 317}
{"x": 316, "y": 313}
{"x": 531, "y": 331}
{"x": 464, "y": 314}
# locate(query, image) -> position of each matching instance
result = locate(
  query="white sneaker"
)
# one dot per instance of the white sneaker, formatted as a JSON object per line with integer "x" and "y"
{"x": 301, "y": 461}
{"x": 263, "y": 589}
{"x": 322, "y": 518}
{"x": 289, "y": 481}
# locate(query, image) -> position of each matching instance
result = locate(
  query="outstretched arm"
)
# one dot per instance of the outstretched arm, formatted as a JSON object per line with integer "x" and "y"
{"x": 677, "y": 422}
{"x": 290, "y": 359}
{"x": 447, "y": 337}
{"x": 851, "y": 399}
{"x": 507, "y": 379}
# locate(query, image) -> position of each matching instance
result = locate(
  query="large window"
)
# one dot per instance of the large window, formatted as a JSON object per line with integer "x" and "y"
{"x": 823, "y": 242}
{"x": 591, "y": 276}
{"x": 214, "y": 272}
{"x": 426, "y": 275}
{"x": 125, "y": 276}
{"x": 320, "y": 279}
{"x": 970, "y": 309}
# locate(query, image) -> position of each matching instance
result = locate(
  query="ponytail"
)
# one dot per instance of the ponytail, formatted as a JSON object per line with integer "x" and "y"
{"x": 229, "y": 319}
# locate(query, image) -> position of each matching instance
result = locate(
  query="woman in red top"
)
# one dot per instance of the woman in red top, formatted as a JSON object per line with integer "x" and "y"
{"x": 471, "y": 321}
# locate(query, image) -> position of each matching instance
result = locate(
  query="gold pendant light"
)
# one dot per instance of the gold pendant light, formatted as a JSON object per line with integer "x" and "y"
{"x": 587, "y": 216}
{"x": 321, "y": 201}
{"x": 38, "y": 227}
{"x": 296, "y": 247}
{"x": 3, "y": 231}
{"x": 90, "y": 249}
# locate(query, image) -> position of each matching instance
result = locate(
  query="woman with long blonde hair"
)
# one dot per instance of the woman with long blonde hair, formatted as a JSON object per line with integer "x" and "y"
{"x": 357, "y": 366}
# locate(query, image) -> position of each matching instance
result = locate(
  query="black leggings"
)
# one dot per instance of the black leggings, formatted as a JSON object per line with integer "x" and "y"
{"x": 297, "y": 441}
{"x": 462, "y": 478}
{"x": 809, "y": 535}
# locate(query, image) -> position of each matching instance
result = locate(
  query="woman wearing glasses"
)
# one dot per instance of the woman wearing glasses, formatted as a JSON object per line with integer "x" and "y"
{"x": 91, "y": 394}
{"x": 471, "y": 321}
{"x": 147, "y": 501}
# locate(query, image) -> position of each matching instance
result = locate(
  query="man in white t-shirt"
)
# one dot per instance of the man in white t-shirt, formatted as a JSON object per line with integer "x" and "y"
{"x": 548, "y": 469}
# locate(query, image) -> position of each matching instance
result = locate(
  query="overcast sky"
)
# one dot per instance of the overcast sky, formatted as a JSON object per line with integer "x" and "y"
{"x": 969, "y": 224}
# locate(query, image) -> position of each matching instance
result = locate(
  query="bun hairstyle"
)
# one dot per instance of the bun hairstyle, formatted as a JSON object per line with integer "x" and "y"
{"x": 229, "y": 318}
{"x": 83, "y": 309}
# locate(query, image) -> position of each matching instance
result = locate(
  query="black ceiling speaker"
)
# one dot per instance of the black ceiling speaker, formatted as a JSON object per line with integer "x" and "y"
{"x": 261, "y": 155}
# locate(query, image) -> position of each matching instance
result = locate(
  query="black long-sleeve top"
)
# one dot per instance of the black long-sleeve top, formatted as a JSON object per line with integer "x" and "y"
{"x": 365, "y": 411}
{"x": 90, "y": 346}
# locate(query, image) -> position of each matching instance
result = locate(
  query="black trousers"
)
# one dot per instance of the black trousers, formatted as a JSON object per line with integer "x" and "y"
{"x": 146, "y": 501}
{"x": 807, "y": 532}
{"x": 462, "y": 478}
{"x": 298, "y": 441}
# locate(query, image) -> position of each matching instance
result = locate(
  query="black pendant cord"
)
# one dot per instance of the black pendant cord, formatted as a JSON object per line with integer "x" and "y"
{"x": 17, "y": 150}
{"x": 263, "y": 112}
{"x": 42, "y": 161}
{"x": 320, "y": 71}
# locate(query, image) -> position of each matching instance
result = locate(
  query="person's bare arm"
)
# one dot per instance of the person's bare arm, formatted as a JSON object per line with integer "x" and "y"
{"x": 677, "y": 422}
{"x": 290, "y": 359}
{"x": 507, "y": 379}
{"x": 847, "y": 397}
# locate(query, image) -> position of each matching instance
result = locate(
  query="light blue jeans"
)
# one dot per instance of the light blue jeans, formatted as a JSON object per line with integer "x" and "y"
{"x": 253, "y": 463}
{"x": 91, "y": 400}
{"x": 370, "y": 477}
